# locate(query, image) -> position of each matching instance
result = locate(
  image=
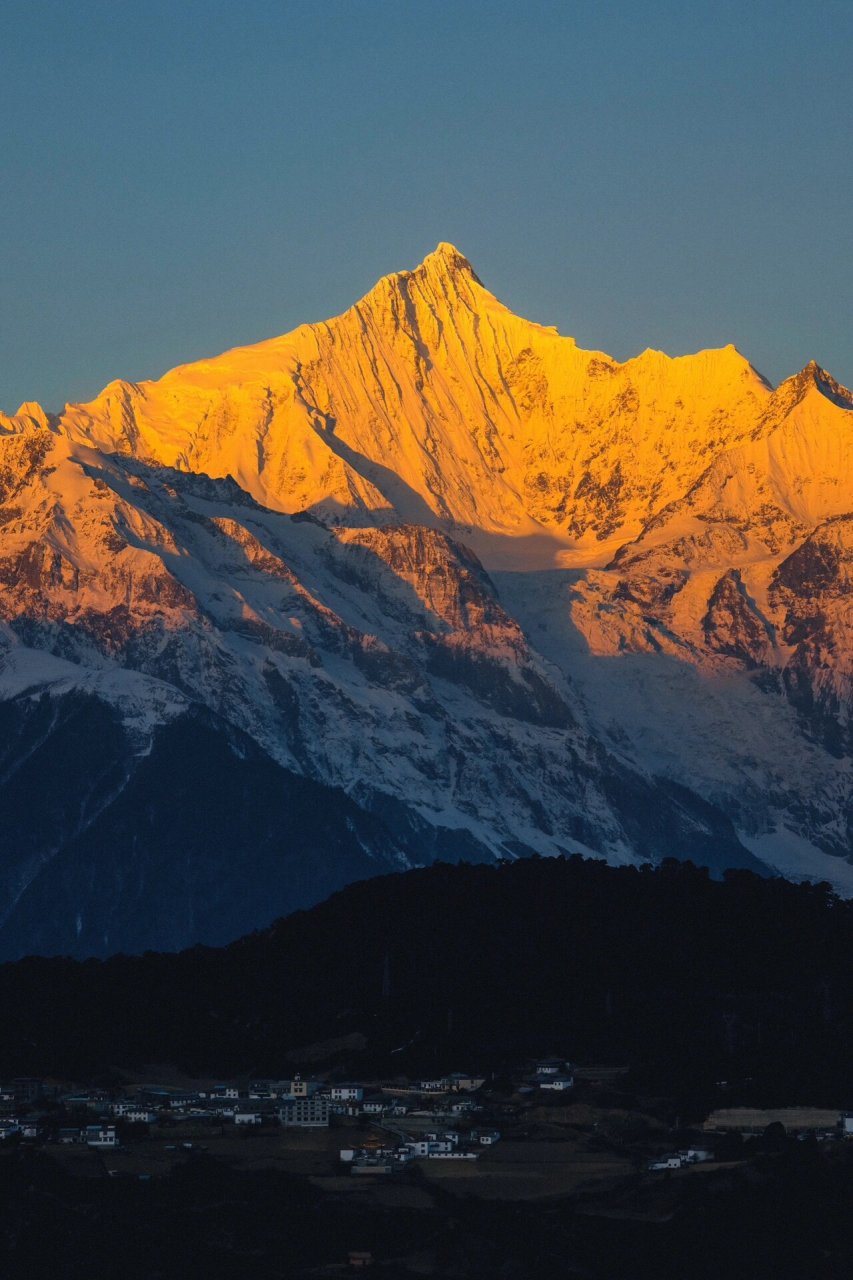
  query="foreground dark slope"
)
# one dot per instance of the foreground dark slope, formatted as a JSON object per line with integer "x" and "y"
{"x": 684, "y": 977}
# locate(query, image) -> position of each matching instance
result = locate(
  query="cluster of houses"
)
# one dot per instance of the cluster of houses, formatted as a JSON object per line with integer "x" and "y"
{"x": 100, "y": 1136}
{"x": 293, "y": 1103}
{"x": 309, "y": 1104}
{"x": 822, "y": 1124}
{"x": 16, "y": 1100}
{"x": 410, "y": 1114}
{"x": 377, "y": 1157}
{"x": 13, "y": 1126}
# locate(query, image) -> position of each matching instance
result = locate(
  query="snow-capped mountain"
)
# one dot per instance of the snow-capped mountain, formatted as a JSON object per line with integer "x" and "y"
{"x": 428, "y": 402}
{"x": 432, "y": 572}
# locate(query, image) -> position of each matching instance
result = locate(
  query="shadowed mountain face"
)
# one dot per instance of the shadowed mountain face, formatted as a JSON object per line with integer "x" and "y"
{"x": 202, "y": 835}
{"x": 498, "y": 594}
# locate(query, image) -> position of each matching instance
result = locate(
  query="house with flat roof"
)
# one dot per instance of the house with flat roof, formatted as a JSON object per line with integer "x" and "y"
{"x": 101, "y": 1136}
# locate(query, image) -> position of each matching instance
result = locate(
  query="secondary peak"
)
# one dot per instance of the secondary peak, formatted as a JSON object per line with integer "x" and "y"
{"x": 33, "y": 410}
{"x": 814, "y": 375}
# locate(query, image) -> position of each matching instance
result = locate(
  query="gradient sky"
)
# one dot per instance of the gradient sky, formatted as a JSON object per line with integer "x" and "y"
{"x": 184, "y": 177}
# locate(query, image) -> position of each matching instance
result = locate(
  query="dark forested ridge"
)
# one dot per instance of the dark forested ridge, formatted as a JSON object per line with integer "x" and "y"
{"x": 684, "y": 977}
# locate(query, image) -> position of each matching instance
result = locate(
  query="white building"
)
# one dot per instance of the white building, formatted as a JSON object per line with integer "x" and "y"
{"x": 666, "y": 1162}
{"x": 550, "y": 1066}
{"x": 450, "y": 1136}
{"x": 454, "y": 1155}
{"x": 134, "y": 1113}
{"x": 346, "y": 1093}
{"x": 140, "y": 1115}
{"x": 247, "y": 1117}
{"x": 102, "y": 1136}
{"x": 304, "y": 1113}
{"x": 488, "y": 1137}
{"x": 423, "y": 1148}
{"x": 558, "y": 1083}
{"x": 463, "y": 1106}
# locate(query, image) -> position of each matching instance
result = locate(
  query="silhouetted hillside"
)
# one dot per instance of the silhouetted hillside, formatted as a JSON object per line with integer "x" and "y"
{"x": 686, "y": 978}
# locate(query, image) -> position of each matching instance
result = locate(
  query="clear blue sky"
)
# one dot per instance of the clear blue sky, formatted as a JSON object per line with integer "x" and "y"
{"x": 180, "y": 177}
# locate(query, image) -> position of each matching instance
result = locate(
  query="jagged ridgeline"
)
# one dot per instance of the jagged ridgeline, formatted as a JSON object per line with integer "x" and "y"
{"x": 426, "y": 580}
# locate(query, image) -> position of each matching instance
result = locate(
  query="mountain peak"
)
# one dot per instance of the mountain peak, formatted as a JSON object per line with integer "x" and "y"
{"x": 446, "y": 252}
{"x": 28, "y": 414}
{"x": 444, "y": 275}
{"x": 446, "y": 260}
{"x": 814, "y": 376}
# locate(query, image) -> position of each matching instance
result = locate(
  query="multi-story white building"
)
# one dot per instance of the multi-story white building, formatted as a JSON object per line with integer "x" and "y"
{"x": 424, "y": 1147}
{"x": 304, "y": 1113}
{"x": 436, "y": 1085}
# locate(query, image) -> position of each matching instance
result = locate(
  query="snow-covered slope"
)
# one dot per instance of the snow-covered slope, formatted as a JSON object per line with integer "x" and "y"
{"x": 726, "y": 631}
{"x": 290, "y": 539}
{"x": 379, "y": 660}
{"x": 430, "y": 402}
